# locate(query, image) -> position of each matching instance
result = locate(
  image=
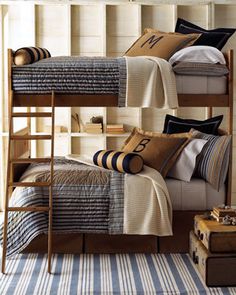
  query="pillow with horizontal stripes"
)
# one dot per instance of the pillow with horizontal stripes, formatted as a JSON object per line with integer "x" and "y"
{"x": 118, "y": 161}
{"x": 213, "y": 161}
{"x": 158, "y": 150}
{"x": 29, "y": 55}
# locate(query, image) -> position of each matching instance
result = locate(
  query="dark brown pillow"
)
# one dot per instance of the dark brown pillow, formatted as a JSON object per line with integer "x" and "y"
{"x": 158, "y": 150}
{"x": 160, "y": 44}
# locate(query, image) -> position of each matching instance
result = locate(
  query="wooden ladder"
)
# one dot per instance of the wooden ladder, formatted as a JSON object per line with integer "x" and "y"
{"x": 10, "y": 183}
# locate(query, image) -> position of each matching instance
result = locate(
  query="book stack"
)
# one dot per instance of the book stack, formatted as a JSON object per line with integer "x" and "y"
{"x": 115, "y": 128}
{"x": 93, "y": 127}
{"x": 220, "y": 213}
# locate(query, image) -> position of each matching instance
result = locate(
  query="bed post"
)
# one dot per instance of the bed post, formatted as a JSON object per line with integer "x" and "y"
{"x": 9, "y": 167}
{"x": 230, "y": 121}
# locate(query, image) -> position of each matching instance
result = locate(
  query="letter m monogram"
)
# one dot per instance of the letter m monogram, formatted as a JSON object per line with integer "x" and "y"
{"x": 152, "y": 41}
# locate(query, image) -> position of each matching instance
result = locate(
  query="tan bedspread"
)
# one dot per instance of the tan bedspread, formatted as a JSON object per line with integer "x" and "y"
{"x": 150, "y": 83}
{"x": 147, "y": 205}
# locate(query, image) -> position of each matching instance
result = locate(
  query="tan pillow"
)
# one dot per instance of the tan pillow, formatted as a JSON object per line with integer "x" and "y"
{"x": 160, "y": 44}
{"x": 158, "y": 150}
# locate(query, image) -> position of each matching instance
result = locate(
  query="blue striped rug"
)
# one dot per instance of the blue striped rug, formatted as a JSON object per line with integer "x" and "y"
{"x": 104, "y": 274}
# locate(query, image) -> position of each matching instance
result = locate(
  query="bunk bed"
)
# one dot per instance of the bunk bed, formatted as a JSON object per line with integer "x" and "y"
{"x": 98, "y": 243}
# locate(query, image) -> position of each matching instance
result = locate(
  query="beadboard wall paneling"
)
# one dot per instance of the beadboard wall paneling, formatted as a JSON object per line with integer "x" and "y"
{"x": 102, "y": 28}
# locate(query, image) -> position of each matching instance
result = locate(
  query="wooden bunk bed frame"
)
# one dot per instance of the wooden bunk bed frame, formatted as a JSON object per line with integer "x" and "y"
{"x": 100, "y": 243}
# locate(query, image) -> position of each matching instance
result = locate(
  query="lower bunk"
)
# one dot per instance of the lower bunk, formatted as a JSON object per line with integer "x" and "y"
{"x": 91, "y": 214}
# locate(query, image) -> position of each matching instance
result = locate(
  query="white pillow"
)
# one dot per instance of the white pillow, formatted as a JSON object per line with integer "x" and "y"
{"x": 185, "y": 164}
{"x": 201, "y": 54}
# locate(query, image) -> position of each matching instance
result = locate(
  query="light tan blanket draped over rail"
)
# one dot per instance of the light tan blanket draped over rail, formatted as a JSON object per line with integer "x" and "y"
{"x": 147, "y": 204}
{"x": 150, "y": 82}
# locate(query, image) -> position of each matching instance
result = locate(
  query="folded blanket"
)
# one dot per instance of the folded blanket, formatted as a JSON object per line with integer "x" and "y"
{"x": 150, "y": 82}
{"x": 147, "y": 205}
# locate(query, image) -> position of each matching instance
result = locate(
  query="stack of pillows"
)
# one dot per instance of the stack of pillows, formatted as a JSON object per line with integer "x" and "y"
{"x": 191, "y": 50}
{"x": 185, "y": 148}
{"x": 162, "y": 44}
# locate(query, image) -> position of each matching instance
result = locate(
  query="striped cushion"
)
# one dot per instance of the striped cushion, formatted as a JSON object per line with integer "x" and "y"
{"x": 29, "y": 55}
{"x": 213, "y": 161}
{"x": 119, "y": 161}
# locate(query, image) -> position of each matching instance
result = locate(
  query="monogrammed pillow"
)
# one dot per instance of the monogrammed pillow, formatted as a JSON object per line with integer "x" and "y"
{"x": 158, "y": 150}
{"x": 160, "y": 44}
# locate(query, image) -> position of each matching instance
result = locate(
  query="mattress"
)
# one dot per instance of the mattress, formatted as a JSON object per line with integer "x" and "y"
{"x": 194, "y": 195}
{"x": 95, "y": 75}
{"x": 70, "y": 74}
{"x": 201, "y": 84}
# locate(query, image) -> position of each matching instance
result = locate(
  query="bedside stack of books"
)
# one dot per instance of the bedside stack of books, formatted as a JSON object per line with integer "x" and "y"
{"x": 220, "y": 213}
{"x": 115, "y": 128}
{"x": 93, "y": 127}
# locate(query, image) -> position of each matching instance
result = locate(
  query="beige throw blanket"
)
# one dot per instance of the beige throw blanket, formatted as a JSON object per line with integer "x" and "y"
{"x": 147, "y": 205}
{"x": 150, "y": 83}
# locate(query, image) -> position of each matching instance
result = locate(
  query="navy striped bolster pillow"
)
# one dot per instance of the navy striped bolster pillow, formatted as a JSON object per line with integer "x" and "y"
{"x": 119, "y": 161}
{"x": 29, "y": 55}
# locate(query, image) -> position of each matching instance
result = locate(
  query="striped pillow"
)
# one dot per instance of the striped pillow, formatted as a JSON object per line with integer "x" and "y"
{"x": 213, "y": 161}
{"x": 119, "y": 161}
{"x": 29, "y": 55}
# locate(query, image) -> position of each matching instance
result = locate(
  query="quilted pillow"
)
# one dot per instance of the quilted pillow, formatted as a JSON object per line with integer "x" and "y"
{"x": 119, "y": 161}
{"x": 178, "y": 125}
{"x": 216, "y": 37}
{"x": 158, "y": 150}
{"x": 160, "y": 44}
{"x": 213, "y": 161}
{"x": 29, "y": 55}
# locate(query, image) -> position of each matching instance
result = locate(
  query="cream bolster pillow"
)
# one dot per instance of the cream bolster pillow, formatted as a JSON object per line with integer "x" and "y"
{"x": 119, "y": 161}
{"x": 29, "y": 55}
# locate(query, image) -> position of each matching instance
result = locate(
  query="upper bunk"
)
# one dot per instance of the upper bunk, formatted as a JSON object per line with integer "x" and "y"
{"x": 23, "y": 81}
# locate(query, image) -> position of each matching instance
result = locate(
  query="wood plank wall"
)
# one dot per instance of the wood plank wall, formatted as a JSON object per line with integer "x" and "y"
{"x": 104, "y": 28}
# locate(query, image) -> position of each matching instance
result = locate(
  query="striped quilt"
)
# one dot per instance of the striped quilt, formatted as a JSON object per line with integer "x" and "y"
{"x": 85, "y": 199}
{"x": 72, "y": 74}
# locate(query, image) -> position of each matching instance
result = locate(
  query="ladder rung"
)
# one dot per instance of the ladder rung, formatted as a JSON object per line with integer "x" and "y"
{"x": 33, "y": 115}
{"x": 29, "y": 184}
{"x": 30, "y": 160}
{"x": 31, "y": 137}
{"x": 31, "y": 209}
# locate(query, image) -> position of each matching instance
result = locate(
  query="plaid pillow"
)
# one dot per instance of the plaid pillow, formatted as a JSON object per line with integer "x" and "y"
{"x": 213, "y": 161}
